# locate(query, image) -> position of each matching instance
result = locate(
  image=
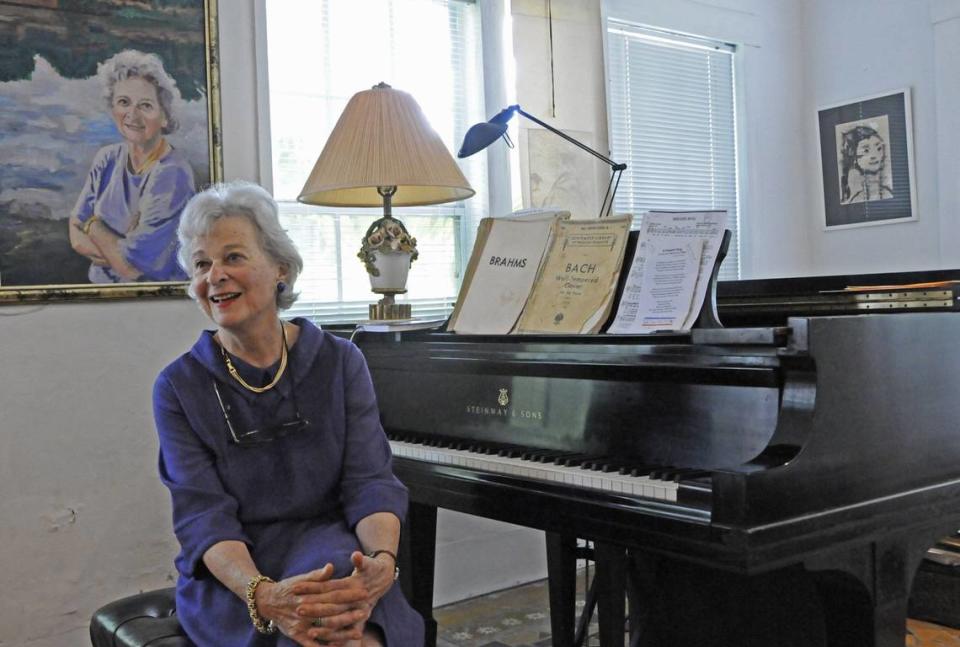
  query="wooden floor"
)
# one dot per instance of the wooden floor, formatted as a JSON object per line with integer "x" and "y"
{"x": 520, "y": 617}
{"x": 924, "y": 634}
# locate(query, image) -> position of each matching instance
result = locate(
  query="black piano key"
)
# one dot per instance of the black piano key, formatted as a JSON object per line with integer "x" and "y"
{"x": 658, "y": 473}
{"x": 538, "y": 455}
{"x": 553, "y": 457}
{"x": 642, "y": 470}
{"x": 613, "y": 465}
{"x": 597, "y": 463}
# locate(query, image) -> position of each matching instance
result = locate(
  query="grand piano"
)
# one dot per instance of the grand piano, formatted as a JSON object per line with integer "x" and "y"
{"x": 816, "y": 436}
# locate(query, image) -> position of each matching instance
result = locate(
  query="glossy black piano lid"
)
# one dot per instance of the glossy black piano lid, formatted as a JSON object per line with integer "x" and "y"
{"x": 769, "y": 302}
{"x": 666, "y": 403}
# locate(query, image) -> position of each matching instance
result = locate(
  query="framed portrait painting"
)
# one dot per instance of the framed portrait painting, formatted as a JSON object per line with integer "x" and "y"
{"x": 866, "y": 157}
{"x": 110, "y": 122}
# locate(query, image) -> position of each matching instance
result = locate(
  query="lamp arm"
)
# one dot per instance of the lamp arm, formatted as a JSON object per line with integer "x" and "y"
{"x": 613, "y": 165}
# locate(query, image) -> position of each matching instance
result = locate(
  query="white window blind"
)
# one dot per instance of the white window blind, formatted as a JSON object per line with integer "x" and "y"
{"x": 672, "y": 121}
{"x": 319, "y": 54}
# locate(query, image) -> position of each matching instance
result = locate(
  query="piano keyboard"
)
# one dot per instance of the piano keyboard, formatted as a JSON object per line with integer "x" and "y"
{"x": 580, "y": 472}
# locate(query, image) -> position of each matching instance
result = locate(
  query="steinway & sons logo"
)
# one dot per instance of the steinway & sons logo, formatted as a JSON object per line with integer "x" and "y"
{"x": 502, "y": 410}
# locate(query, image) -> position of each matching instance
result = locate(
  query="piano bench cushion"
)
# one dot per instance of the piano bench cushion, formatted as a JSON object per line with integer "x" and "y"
{"x": 936, "y": 594}
{"x": 143, "y": 619}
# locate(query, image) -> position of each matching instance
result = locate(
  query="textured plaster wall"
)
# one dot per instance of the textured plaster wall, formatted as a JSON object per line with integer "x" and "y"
{"x": 83, "y": 518}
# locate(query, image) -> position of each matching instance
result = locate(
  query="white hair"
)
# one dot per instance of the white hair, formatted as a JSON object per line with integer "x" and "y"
{"x": 131, "y": 63}
{"x": 254, "y": 203}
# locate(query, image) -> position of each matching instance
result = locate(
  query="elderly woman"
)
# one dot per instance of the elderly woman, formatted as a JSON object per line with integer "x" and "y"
{"x": 284, "y": 502}
{"x": 125, "y": 220}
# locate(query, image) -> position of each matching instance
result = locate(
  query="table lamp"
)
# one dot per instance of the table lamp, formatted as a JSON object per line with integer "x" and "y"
{"x": 485, "y": 133}
{"x": 384, "y": 152}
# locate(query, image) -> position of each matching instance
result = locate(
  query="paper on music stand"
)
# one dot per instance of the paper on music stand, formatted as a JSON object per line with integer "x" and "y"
{"x": 668, "y": 284}
{"x": 665, "y": 288}
{"x": 577, "y": 281}
{"x": 501, "y": 272}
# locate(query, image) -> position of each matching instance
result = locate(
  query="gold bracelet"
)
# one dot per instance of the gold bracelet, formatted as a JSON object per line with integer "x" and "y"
{"x": 88, "y": 224}
{"x": 258, "y": 622}
{"x": 396, "y": 567}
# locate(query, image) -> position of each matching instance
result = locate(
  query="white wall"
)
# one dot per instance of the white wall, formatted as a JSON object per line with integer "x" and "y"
{"x": 864, "y": 47}
{"x": 83, "y": 518}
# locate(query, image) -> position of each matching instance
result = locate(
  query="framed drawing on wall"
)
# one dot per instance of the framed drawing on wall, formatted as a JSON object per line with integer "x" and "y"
{"x": 866, "y": 157}
{"x": 110, "y": 123}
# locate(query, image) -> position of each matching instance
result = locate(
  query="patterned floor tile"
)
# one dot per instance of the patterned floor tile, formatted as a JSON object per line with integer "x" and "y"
{"x": 520, "y": 617}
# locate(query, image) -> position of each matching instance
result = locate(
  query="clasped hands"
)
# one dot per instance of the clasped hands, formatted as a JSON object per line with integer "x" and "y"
{"x": 315, "y": 608}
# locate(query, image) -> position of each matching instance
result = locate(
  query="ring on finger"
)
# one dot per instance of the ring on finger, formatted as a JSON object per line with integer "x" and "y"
{"x": 318, "y": 622}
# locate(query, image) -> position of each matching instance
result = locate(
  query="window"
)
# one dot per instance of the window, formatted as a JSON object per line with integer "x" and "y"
{"x": 672, "y": 121}
{"x": 320, "y": 53}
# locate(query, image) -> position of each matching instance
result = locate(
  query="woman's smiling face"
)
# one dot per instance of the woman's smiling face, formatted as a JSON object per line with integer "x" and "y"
{"x": 137, "y": 111}
{"x": 871, "y": 154}
{"x": 234, "y": 280}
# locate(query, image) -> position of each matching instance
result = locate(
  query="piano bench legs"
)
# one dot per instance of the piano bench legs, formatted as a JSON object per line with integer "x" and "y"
{"x": 606, "y": 593}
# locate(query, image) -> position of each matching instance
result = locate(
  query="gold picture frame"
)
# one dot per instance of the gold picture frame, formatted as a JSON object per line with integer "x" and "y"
{"x": 61, "y": 118}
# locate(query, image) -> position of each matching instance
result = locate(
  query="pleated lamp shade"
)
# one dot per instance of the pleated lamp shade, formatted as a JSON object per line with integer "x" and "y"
{"x": 382, "y": 139}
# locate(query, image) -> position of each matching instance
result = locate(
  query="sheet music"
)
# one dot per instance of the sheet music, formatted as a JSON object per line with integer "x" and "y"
{"x": 670, "y": 273}
{"x": 502, "y": 270}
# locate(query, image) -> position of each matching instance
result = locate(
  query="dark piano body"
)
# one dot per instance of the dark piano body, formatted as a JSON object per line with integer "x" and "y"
{"x": 829, "y": 444}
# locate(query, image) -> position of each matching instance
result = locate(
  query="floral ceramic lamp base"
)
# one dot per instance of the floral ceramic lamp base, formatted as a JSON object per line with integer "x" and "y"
{"x": 387, "y": 251}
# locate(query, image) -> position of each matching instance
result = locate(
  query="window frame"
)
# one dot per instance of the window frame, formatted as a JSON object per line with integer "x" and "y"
{"x": 720, "y": 24}
{"x": 495, "y": 44}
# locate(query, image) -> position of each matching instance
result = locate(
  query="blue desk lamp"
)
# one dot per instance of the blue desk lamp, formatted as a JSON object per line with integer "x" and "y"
{"x": 483, "y": 134}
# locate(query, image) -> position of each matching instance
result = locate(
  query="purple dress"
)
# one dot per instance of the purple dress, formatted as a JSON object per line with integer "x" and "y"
{"x": 144, "y": 210}
{"x": 294, "y": 501}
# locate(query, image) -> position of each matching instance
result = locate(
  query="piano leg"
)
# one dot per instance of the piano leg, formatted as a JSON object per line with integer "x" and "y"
{"x": 562, "y": 578}
{"x": 418, "y": 543}
{"x": 695, "y": 606}
{"x": 864, "y": 591}
{"x": 611, "y": 583}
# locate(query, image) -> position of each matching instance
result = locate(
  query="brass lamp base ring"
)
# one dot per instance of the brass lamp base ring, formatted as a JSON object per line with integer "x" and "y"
{"x": 390, "y": 311}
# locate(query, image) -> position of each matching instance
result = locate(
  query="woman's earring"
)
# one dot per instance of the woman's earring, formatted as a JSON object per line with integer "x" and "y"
{"x": 281, "y": 287}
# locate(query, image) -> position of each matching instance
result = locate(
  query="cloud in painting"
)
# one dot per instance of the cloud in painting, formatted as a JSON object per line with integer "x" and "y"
{"x": 50, "y": 129}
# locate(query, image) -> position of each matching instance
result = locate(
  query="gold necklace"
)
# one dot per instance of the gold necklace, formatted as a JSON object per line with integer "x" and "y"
{"x": 276, "y": 378}
{"x": 154, "y": 155}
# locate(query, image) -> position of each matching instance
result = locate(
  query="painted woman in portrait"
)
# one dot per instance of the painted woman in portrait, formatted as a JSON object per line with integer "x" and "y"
{"x": 864, "y": 173}
{"x": 125, "y": 219}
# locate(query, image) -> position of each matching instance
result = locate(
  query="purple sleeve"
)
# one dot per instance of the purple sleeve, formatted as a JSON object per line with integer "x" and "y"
{"x": 151, "y": 246}
{"x": 368, "y": 484}
{"x": 203, "y": 513}
{"x": 83, "y": 209}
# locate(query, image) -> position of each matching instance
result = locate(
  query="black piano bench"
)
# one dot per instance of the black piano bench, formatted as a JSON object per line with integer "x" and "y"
{"x": 143, "y": 619}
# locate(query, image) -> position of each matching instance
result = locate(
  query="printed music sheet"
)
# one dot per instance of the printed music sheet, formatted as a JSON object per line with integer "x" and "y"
{"x": 670, "y": 272}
